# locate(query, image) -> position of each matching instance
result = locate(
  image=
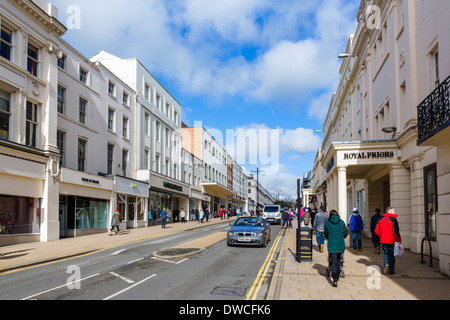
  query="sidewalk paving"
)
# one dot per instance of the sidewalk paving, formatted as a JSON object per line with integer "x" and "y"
{"x": 291, "y": 280}
{"x": 308, "y": 281}
{"x": 15, "y": 257}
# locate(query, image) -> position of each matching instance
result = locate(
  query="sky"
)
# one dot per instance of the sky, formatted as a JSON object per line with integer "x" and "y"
{"x": 258, "y": 73}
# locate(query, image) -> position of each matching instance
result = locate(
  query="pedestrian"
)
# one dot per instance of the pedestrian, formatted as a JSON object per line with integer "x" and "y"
{"x": 388, "y": 231}
{"x": 356, "y": 226}
{"x": 285, "y": 217}
{"x": 163, "y": 215}
{"x": 115, "y": 221}
{"x": 306, "y": 217}
{"x": 196, "y": 215}
{"x": 183, "y": 216}
{"x": 202, "y": 215}
{"x": 373, "y": 224}
{"x": 335, "y": 232}
{"x": 302, "y": 212}
{"x": 319, "y": 226}
{"x": 207, "y": 214}
{"x": 313, "y": 215}
{"x": 291, "y": 217}
{"x": 221, "y": 214}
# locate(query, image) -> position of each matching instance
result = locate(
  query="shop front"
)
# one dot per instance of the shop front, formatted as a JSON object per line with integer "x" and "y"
{"x": 131, "y": 198}
{"x": 84, "y": 203}
{"x": 368, "y": 176}
{"x": 200, "y": 201}
{"x": 167, "y": 193}
{"x": 221, "y": 197}
{"x": 22, "y": 177}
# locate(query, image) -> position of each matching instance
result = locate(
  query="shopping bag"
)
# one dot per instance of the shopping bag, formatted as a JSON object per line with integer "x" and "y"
{"x": 398, "y": 250}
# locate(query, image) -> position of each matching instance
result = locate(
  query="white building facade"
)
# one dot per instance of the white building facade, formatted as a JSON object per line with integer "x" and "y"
{"x": 377, "y": 152}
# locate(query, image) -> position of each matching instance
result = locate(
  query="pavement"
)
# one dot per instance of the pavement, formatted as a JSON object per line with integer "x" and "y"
{"x": 291, "y": 280}
{"x": 364, "y": 278}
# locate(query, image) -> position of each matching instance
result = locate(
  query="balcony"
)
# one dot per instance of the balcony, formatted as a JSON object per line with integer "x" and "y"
{"x": 434, "y": 116}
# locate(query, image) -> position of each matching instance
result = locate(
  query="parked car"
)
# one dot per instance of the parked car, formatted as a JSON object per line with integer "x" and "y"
{"x": 249, "y": 231}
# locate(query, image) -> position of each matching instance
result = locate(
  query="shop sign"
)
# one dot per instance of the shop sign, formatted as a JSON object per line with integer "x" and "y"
{"x": 90, "y": 180}
{"x": 172, "y": 186}
{"x": 368, "y": 155}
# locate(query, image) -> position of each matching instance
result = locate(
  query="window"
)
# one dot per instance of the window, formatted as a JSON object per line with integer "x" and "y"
{"x": 431, "y": 203}
{"x": 147, "y": 123}
{"x": 437, "y": 82}
{"x": 167, "y": 138}
{"x": 111, "y": 88}
{"x": 111, "y": 113}
{"x": 146, "y": 159}
{"x": 125, "y": 127}
{"x": 158, "y": 102}
{"x": 166, "y": 168}
{"x": 175, "y": 117}
{"x": 61, "y": 99}
{"x": 157, "y": 163}
{"x": 83, "y": 75}
{"x": 32, "y": 60}
{"x": 82, "y": 155}
{"x": 82, "y": 111}
{"x": 124, "y": 162}
{"x": 31, "y": 124}
{"x": 110, "y": 158}
{"x": 125, "y": 99}
{"x": 60, "y": 141}
{"x": 168, "y": 110}
{"x": 62, "y": 62}
{"x": 6, "y": 43}
{"x": 4, "y": 114}
{"x": 158, "y": 131}
{"x": 147, "y": 92}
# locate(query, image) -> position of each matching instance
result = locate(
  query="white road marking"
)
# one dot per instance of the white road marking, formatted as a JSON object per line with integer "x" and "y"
{"x": 137, "y": 260}
{"x": 122, "y": 277}
{"x": 130, "y": 287}
{"x": 64, "y": 285}
{"x": 118, "y": 252}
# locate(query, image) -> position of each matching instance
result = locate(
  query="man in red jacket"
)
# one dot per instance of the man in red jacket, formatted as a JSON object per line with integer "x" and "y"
{"x": 389, "y": 233}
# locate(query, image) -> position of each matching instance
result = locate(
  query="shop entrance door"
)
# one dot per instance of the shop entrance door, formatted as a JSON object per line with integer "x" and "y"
{"x": 62, "y": 217}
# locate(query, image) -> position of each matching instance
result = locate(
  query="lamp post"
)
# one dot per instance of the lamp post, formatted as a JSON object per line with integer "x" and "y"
{"x": 257, "y": 186}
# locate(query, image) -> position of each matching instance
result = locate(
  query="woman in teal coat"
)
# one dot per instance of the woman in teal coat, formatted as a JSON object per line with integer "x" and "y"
{"x": 335, "y": 232}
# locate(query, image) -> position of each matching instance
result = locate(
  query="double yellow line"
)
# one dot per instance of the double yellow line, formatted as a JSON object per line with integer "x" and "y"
{"x": 253, "y": 292}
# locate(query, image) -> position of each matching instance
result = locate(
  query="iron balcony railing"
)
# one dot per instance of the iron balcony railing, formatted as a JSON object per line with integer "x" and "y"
{"x": 434, "y": 112}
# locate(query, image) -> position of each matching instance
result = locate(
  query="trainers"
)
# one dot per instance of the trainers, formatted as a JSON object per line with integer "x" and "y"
{"x": 355, "y": 251}
{"x": 321, "y": 248}
{"x": 386, "y": 269}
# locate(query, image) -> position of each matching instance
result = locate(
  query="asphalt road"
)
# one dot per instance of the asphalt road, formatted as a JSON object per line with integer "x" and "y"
{"x": 133, "y": 273}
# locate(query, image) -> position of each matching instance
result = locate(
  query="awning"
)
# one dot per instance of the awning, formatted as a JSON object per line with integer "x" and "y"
{"x": 217, "y": 190}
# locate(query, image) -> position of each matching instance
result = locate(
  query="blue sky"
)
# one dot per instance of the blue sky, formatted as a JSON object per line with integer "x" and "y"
{"x": 260, "y": 66}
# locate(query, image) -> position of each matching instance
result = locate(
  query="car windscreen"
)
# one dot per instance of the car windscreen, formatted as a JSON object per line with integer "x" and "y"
{"x": 271, "y": 209}
{"x": 253, "y": 222}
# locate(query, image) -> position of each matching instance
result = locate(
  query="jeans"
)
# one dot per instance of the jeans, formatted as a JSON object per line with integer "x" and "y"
{"x": 117, "y": 227}
{"x": 388, "y": 250}
{"x": 320, "y": 236}
{"x": 163, "y": 223}
{"x": 336, "y": 265}
{"x": 375, "y": 240}
{"x": 356, "y": 236}
{"x": 285, "y": 222}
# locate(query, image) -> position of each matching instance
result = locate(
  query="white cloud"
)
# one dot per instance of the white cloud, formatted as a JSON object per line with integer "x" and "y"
{"x": 187, "y": 41}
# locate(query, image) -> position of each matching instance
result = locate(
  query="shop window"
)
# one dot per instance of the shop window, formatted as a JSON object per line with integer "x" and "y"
{"x": 89, "y": 213}
{"x": 19, "y": 215}
{"x": 431, "y": 203}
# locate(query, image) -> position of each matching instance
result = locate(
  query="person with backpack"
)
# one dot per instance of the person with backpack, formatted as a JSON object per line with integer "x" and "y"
{"x": 373, "y": 224}
{"x": 356, "y": 225}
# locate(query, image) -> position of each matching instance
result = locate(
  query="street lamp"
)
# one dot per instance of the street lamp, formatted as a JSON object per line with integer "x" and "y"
{"x": 257, "y": 185}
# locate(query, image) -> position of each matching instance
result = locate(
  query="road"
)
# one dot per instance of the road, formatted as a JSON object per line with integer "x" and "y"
{"x": 132, "y": 272}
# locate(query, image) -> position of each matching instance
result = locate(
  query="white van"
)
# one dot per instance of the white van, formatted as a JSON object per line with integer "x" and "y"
{"x": 272, "y": 213}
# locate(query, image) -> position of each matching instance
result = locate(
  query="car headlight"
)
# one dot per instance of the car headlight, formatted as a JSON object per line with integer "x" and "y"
{"x": 231, "y": 234}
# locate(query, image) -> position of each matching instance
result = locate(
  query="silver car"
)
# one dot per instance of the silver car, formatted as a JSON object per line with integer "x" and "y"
{"x": 249, "y": 231}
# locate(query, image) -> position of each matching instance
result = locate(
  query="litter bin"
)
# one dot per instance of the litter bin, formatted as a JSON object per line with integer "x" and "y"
{"x": 304, "y": 244}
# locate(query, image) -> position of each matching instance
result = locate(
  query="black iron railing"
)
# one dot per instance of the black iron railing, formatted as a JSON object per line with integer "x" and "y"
{"x": 434, "y": 112}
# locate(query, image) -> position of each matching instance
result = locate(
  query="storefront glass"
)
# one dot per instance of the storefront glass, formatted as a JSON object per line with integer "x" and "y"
{"x": 19, "y": 215}
{"x": 91, "y": 213}
{"x": 157, "y": 200}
